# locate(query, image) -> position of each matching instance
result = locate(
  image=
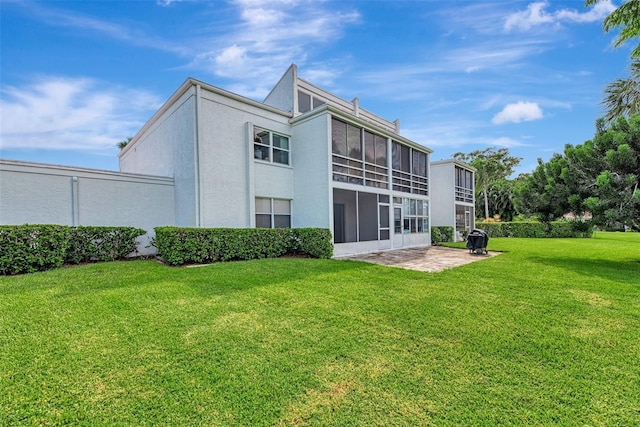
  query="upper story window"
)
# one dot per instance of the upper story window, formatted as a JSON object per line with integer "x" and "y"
{"x": 270, "y": 147}
{"x": 359, "y": 156}
{"x": 409, "y": 169}
{"x": 464, "y": 185}
{"x": 308, "y": 102}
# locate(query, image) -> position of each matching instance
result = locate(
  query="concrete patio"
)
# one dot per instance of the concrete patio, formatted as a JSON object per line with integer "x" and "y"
{"x": 429, "y": 258}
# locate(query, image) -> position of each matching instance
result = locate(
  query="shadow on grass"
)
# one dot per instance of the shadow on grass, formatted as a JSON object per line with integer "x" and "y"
{"x": 627, "y": 272}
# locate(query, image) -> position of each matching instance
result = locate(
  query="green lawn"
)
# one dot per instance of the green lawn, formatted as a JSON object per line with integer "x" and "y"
{"x": 547, "y": 333}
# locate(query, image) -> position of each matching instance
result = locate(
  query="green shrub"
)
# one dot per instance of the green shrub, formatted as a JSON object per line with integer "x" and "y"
{"x": 179, "y": 245}
{"x": 442, "y": 234}
{"x": 316, "y": 242}
{"x": 30, "y": 248}
{"x": 90, "y": 243}
{"x": 537, "y": 229}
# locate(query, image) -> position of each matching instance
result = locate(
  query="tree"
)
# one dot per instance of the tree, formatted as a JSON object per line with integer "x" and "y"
{"x": 626, "y": 17}
{"x": 614, "y": 160}
{"x": 124, "y": 142}
{"x": 622, "y": 96}
{"x": 600, "y": 176}
{"x": 550, "y": 191}
{"x": 492, "y": 166}
{"x": 502, "y": 197}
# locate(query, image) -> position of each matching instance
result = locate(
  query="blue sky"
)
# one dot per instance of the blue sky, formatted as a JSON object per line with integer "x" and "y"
{"x": 78, "y": 76}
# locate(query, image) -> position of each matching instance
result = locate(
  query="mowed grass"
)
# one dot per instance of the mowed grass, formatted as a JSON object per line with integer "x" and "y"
{"x": 547, "y": 333}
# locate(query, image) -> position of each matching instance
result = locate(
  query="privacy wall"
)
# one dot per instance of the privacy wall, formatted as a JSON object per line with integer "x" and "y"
{"x": 37, "y": 193}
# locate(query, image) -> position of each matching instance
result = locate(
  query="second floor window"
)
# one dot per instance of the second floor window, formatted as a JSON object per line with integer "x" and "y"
{"x": 359, "y": 156}
{"x": 464, "y": 185}
{"x": 270, "y": 146}
{"x": 409, "y": 169}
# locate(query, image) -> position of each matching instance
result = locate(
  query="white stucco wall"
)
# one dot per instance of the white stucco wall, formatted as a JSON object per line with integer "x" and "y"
{"x": 32, "y": 194}
{"x": 165, "y": 147}
{"x": 37, "y": 193}
{"x": 282, "y": 95}
{"x": 273, "y": 180}
{"x": 312, "y": 202}
{"x": 230, "y": 178}
{"x": 442, "y": 194}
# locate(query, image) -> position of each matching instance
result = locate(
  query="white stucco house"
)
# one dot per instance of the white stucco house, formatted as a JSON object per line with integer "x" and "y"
{"x": 301, "y": 158}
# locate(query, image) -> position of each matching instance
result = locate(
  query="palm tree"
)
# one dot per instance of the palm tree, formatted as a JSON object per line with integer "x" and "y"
{"x": 622, "y": 96}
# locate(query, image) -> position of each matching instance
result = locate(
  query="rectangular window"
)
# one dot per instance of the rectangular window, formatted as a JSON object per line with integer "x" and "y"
{"x": 375, "y": 156}
{"x": 409, "y": 169}
{"x": 270, "y": 147}
{"x": 359, "y": 156}
{"x": 306, "y": 102}
{"x": 273, "y": 213}
{"x": 464, "y": 185}
{"x": 415, "y": 216}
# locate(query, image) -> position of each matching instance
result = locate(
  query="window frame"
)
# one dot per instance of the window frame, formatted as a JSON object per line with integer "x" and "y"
{"x": 273, "y": 213}
{"x": 357, "y": 169}
{"x": 403, "y": 176}
{"x": 259, "y": 146}
{"x": 414, "y": 215}
{"x": 314, "y": 101}
{"x": 464, "y": 185}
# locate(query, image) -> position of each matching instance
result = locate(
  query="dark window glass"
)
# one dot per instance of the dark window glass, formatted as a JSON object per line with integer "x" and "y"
{"x": 354, "y": 145}
{"x": 280, "y": 156}
{"x": 419, "y": 164}
{"x": 396, "y": 157}
{"x": 282, "y": 221}
{"x": 317, "y": 102}
{"x": 384, "y": 216}
{"x": 280, "y": 141}
{"x": 406, "y": 153}
{"x": 263, "y": 220}
{"x": 369, "y": 147}
{"x": 381, "y": 150}
{"x": 339, "y": 137}
{"x": 304, "y": 102}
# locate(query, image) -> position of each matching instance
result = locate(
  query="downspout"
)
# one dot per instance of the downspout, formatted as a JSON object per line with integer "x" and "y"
{"x": 196, "y": 161}
{"x": 75, "y": 208}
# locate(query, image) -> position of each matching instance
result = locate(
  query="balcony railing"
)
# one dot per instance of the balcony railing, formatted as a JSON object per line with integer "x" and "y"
{"x": 464, "y": 195}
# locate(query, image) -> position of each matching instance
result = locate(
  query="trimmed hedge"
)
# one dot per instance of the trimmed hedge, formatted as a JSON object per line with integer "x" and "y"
{"x": 89, "y": 243}
{"x": 442, "y": 234}
{"x": 180, "y": 245}
{"x": 30, "y": 248}
{"x": 537, "y": 229}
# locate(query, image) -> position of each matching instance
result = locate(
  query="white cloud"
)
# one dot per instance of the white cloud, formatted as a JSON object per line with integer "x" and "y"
{"x": 518, "y": 112}
{"x": 536, "y": 15}
{"x": 251, "y": 43}
{"x": 66, "y": 113}
{"x": 269, "y": 37}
